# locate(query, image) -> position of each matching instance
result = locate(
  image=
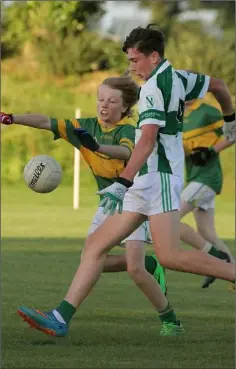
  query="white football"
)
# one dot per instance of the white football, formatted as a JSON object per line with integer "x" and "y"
{"x": 42, "y": 174}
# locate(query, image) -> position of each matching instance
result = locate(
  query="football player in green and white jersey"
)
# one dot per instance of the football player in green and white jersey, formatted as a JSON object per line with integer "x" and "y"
{"x": 150, "y": 185}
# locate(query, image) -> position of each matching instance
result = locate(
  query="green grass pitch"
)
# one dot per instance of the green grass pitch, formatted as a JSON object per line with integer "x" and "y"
{"x": 42, "y": 237}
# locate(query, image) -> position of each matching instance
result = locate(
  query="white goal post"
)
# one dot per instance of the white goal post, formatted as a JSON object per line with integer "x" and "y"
{"x": 76, "y": 190}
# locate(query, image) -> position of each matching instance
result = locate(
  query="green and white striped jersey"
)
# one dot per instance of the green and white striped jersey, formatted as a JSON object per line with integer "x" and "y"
{"x": 161, "y": 102}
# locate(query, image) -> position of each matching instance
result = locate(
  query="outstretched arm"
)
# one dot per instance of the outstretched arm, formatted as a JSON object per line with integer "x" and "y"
{"x": 33, "y": 120}
{"x": 30, "y": 120}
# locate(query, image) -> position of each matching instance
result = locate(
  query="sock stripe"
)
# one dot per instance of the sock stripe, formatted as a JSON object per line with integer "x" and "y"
{"x": 58, "y": 316}
{"x": 167, "y": 310}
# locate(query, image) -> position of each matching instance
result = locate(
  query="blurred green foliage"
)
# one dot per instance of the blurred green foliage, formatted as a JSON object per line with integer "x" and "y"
{"x": 54, "y": 50}
{"x": 165, "y": 12}
{"x": 190, "y": 44}
{"x": 192, "y": 49}
{"x": 36, "y": 20}
{"x": 57, "y": 34}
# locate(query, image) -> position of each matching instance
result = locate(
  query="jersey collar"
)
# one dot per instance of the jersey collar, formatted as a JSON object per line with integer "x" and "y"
{"x": 123, "y": 122}
{"x": 160, "y": 67}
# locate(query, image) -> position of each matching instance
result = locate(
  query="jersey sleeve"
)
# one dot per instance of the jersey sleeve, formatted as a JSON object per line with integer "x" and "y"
{"x": 151, "y": 106}
{"x": 126, "y": 137}
{"x": 197, "y": 85}
{"x": 64, "y": 128}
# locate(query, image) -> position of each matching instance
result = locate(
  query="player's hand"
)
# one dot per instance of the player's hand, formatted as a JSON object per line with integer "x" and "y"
{"x": 229, "y": 130}
{"x": 113, "y": 196}
{"x": 6, "y": 118}
{"x": 201, "y": 155}
{"x": 86, "y": 139}
{"x": 230, "y": 127}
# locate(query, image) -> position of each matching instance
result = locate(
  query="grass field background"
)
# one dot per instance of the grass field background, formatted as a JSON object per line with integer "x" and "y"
{"x": 42, "y": 237}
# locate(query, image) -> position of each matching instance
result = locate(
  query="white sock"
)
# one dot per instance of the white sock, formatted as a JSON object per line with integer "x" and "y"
{"x": 58, "y": 316}
{"x": 207, "y": 247}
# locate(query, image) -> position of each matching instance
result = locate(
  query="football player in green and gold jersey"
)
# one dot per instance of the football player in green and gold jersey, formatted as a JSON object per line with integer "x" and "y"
{"x": 203, "y": 140}
{"x": 106, "y": 143}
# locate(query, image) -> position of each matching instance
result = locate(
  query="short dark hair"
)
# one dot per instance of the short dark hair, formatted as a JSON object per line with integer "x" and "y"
{"x": 146, "y": 40}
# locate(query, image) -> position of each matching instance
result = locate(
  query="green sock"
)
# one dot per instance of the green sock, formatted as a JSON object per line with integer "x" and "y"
{"x": 150, "y": 264}
{"x": 66, "y": 310}
{"x": 217, "y": 253}
{"x": 168, "y": 315}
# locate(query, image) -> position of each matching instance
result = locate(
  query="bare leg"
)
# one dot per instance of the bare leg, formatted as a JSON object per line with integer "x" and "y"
{"x": 111, "y": 232}
{"x": 206, "y": 236}
{"x": 118, "y": 227}
{"x": 172, "y": 256}
{"x": 190, "y": 236}
{"x": 187, "y": 233}
{"x": 185, "y": 208}
{"x": 206, "y": 228}
{"x": 135, "y": 254}
{"x": 115, "y": 263}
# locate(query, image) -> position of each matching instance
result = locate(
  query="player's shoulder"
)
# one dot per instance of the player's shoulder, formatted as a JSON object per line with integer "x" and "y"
{"x": 149, "y": 87}
{"x": 128, "y": 123}
{"x": 183, "y": 73}
{"x": 89, "y": 124}
{"x": 90, "y": 120}
{"x": 191, "y": 76}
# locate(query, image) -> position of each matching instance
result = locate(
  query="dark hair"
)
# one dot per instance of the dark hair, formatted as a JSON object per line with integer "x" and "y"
{"x": 129, "y": 89}
{"x": 146, "y": 40}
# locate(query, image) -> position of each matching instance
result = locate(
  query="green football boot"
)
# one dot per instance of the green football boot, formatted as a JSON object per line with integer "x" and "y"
{"x": 172, "y": 329}
{"x": 159, "y": 275}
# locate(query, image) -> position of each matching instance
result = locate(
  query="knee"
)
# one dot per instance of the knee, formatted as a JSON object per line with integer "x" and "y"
{"x": 170, "y": 258}
{"x": 91, "y": 249}
{"x": 164, "y": 259}
{"x": 136, "y": 271}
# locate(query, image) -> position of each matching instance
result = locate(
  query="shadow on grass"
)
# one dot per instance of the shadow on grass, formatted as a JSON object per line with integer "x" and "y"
{"x": 41, "y": 240}
{"x": 43, "y": 343}
{"x": 48, "y": 245}
{"x": 63, "y": 241}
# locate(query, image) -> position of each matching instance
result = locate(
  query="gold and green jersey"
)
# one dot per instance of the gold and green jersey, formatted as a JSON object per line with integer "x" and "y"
{"x": 202, "y": 127}
{"x": 105, "y": 169}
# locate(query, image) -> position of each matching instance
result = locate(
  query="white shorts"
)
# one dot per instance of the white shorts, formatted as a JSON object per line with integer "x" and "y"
{"x": 199, "y": 195}
{"x": 142, "y": 233}
{"x": 154, "y": 193}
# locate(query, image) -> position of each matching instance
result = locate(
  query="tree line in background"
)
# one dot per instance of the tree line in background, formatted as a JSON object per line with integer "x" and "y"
{"x": 62, "y": 38}
{"x": 60, "y": 35}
